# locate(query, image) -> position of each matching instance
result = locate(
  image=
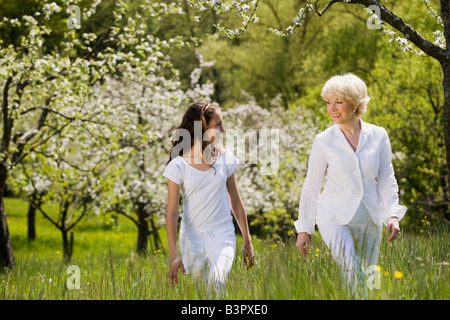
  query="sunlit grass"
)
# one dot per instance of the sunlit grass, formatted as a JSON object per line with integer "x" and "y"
{"x": 412, "y": 267}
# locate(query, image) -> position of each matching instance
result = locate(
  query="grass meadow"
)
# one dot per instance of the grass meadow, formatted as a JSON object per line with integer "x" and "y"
{"x": 414, "y": 267}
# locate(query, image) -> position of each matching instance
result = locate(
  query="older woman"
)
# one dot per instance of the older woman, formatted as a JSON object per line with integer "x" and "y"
{"x": 352, "y": 161}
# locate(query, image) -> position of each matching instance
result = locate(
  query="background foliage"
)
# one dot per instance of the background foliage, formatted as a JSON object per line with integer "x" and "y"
{"x": 135, "y": 66}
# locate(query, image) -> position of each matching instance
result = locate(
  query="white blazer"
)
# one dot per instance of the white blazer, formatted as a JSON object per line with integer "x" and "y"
{"x": 350, "y": 177}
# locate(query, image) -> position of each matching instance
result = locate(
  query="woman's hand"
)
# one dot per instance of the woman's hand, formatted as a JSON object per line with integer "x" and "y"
{"x": 248, "y": 255}
{"x": 303, "y": 243}
{"x": 174, "y": 264}
{"x": 393, "y": 227}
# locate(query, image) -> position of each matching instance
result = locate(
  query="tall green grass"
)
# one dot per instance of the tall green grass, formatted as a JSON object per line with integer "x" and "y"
{"x": 412, "y": 267}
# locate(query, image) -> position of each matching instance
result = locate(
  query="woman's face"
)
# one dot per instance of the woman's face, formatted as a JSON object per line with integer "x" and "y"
{"x": 341, "y": 111}
{"x": 215, "y": 125}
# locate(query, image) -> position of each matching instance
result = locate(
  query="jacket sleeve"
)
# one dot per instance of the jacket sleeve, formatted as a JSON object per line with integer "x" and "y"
{"x": 312, "y": 186}
{"x": 387, "y": 184}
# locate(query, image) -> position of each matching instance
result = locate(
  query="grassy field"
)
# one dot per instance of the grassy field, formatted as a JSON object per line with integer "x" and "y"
{"x": 412, "y": 267}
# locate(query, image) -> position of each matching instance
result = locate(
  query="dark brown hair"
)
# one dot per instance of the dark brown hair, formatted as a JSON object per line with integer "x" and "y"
{"x": 199, "y": 111}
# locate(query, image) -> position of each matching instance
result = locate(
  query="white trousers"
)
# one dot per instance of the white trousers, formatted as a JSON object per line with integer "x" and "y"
{"x": 354, "y": 246}
{"x": 208, "y": 254}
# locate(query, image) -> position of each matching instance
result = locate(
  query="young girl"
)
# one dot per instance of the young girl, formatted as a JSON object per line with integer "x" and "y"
{"x": 204, "y": 171}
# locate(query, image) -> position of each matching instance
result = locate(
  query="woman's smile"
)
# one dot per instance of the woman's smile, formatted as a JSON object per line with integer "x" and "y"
{"x": 340, "y": 110}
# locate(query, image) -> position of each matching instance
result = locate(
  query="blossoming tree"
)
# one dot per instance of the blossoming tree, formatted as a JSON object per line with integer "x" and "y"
{"x": 380, "y": 17}
{"x": 145, "y": 110}
{"x": 45, "y": 93}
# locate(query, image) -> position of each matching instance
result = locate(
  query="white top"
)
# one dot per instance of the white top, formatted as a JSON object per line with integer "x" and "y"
{"x": 350, "y": 177}
{"x": 206, "y": 205}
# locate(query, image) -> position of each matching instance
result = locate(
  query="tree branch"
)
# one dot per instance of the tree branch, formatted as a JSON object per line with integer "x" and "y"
{"x": 27, "y": 136}
{"x": 7, "y": 127}
{"x": 117, "y": 210}
{"x": 408, "y": 31}
{"x": 47, "y": 216}
{"x": 79, "y": 218}
{"x": 329, "y": 4}
{"x": 32, "y": 148}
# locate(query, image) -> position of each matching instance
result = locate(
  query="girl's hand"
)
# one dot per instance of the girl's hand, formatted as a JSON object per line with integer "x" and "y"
{"x": 248, "y": 255}
{"x": 174, "y": 264}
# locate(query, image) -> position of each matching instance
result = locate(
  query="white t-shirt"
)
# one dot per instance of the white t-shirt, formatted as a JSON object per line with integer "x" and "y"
{"x": 205, "y": 200}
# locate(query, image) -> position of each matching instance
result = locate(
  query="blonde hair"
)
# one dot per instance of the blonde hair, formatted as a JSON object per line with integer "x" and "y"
{"x": 347, "y": 87}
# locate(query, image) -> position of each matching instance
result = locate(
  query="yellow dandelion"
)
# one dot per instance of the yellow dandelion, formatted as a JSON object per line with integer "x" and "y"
{"x": 317, "y": 254}
{"x": 398, "y": 274}
{"x": 57, "y": 252}
{"x": 317, "y": 250}
{"x": 377, "y": 268}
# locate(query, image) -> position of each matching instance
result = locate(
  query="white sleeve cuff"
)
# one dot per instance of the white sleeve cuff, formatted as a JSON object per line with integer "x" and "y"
{"x": 396, "y": 211}
{"x": 303, "y": 226}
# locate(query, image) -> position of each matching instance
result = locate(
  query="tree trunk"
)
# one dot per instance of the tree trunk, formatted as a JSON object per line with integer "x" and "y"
{"x": 142, "y": 241}
{"x": 6, "y": 251}
{"x": 156, "y": 239}
{"x": 446, "y": 85}
{"x": 31, "y": 220}
{"x": 66, "y": 245}
{"x": 445, "y": 64}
